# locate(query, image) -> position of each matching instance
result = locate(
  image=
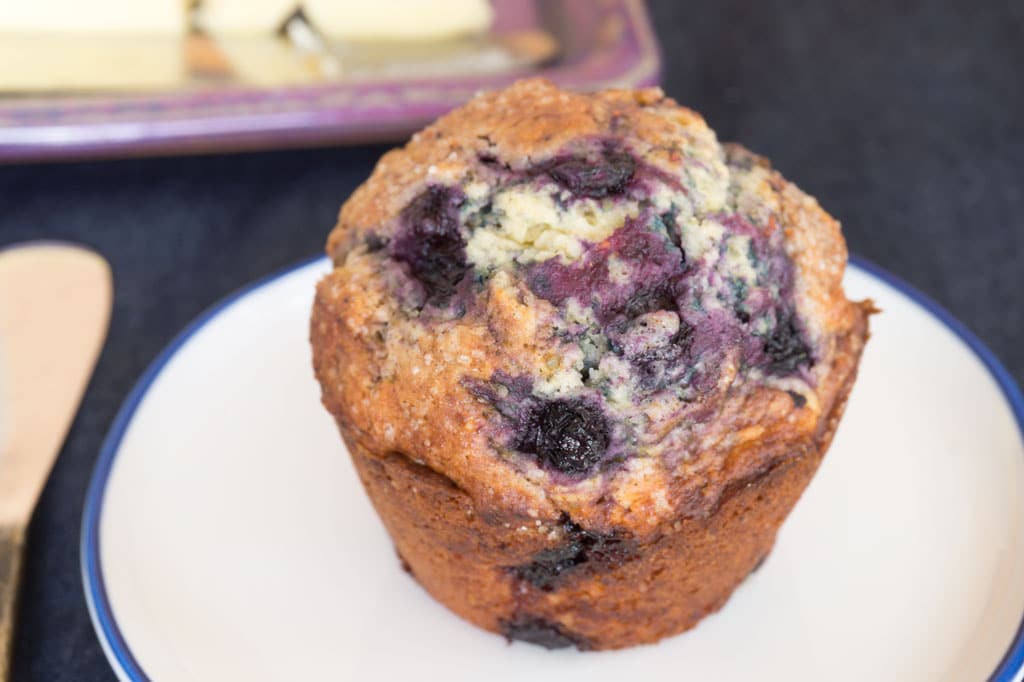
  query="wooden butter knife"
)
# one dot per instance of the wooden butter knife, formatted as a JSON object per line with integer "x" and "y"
{"x": 55, "y": 304}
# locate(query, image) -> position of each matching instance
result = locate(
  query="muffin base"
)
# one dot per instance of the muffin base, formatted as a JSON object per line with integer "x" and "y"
{"x": 642, "y": 590}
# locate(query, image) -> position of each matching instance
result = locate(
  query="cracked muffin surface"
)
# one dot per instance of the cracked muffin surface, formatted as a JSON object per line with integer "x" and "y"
{"x": 572, "y": 332}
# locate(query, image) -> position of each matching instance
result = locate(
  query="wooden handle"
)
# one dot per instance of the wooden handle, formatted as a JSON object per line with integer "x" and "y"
{"x": 12, "y": 541}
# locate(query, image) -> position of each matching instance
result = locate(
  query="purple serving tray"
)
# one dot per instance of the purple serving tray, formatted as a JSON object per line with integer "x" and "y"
{"x": 604, "y": 43}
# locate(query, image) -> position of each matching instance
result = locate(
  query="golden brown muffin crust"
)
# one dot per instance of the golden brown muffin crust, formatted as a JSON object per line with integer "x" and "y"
{"x": 425, "y": 391}
{"x": 395, "y": 404}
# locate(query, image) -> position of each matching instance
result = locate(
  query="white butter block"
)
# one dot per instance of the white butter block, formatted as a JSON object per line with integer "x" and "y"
{"x": 268, "y": 62}
{"x": 93, "y": 16}
{"x": 398, "y": 19}
{"x": 262, "y": 17}
{"x": 54, "y": 62}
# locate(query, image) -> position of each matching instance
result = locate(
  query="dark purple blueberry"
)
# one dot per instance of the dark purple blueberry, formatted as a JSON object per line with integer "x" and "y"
{"x": 541, "y": 632}
{"x": 548, "y": 566}
{"x": 567, "y": 435}
{"x": 374, "y": 242}
{"x": 799, "y": 400}
{"x": 672, "y": 227}
{"x": 599, "y": 551}
{"x": 785, "y": 348}
{"x": 431, "y": 243}
{"x": 594, "y": 178}
{"x": 649, "y": 300}
{"x": 617, "y": 317}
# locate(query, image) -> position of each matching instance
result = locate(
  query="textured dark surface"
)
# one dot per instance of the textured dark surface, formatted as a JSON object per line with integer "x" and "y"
{"x": 906, "y": 120}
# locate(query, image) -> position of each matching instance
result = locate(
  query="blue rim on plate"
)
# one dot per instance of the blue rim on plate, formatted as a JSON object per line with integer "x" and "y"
{"x": 116, "y": 648}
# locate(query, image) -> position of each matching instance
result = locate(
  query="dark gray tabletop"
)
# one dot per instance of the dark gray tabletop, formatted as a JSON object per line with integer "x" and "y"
{"x": 905, "y": 119}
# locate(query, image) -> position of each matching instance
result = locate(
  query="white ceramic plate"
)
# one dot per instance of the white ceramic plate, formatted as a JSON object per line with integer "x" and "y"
{"x": 227, "y": 537}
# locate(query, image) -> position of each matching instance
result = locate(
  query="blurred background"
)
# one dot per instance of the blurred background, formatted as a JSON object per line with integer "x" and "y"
{"x": 905, "y": 119}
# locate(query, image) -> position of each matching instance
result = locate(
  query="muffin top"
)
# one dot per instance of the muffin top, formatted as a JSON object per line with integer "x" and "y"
{"x": 583, "y": 304}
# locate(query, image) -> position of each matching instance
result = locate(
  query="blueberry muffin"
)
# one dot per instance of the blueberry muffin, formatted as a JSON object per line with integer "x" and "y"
{"x": 585, "y": 360}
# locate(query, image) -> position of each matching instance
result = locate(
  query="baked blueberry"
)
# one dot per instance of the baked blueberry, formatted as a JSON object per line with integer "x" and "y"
{"x": 785, "y": 348}
{"x": 549, "y": 565}
{"x": 605, "y": 176}
{"x": 374, "y": 242}
{"x": 568, "y": 435}
{"x": 598, "y": 551}
{"x": 542, "y": 632}
{"x": 431, "y": 242}
{"x": 649, "y": 299}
